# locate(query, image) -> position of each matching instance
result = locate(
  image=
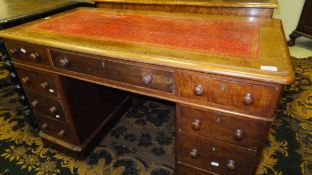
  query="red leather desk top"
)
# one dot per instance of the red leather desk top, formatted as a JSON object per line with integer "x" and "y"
{"x": 216, "y": 37}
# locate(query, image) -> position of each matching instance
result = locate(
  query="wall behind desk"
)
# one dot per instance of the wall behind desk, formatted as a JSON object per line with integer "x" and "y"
{"x": 289, "y": 12}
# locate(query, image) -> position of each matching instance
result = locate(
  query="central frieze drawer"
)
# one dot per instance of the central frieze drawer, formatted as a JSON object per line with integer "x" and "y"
{"x": 123, "y": 72}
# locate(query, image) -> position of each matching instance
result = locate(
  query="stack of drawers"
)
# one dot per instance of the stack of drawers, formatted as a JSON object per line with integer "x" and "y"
{"x": 43, "y": 96}
{"x": 42, "y": 91}
{"x": 227, "y": 137}
{"x": 67, "y": 110}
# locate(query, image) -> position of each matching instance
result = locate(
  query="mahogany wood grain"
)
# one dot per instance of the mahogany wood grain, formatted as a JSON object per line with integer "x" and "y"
{"x": 229, "y": 93}
{"x": 233, "y": 82}
{"x": 81, "y": 151}
{"x": 35, "y": 79}
{"x": 114, "y": 70}
{"x": 54, "y": 128}
{"x": 51, "y": 108}
{"x": 89, "y": 104}
{"x": 213, "y": 155}
{"x": 234, "y": 11}
{"x": 273, "y": 49}
{"x": 221, "y": 126}
{"x": 184, "y": 169}
{"x": 25, "y": 52}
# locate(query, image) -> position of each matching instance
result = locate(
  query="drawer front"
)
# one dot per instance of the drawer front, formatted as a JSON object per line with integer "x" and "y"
{"x": 255, "y": 99}
{"x": 37, "y": 81}
{"x": 48, "y": 107}
{"x": 146, "y": 77}
{"x": 188, "y": 170}
{"x": 27, "y": 53}
{"x": 221, "y": 126}
{"x": 55, "y": 129}
{"x": 214, "y": 156}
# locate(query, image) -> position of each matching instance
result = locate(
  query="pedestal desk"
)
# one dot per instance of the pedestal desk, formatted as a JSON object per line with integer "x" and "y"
{"x": 225, "y": 75}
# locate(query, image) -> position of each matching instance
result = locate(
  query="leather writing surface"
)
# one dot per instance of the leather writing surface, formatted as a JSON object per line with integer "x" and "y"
{"x": 211, "y": 36}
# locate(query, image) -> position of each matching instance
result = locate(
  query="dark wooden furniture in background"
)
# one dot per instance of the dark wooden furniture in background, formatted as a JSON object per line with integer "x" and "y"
{"x": 304, "y": 27}
{"x": 226, "y": 87}
{"x": 16, "y": 12}
{"x": 255, "y": 8}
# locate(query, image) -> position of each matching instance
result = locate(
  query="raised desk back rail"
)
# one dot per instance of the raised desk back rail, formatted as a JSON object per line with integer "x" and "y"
{"x": 253, "y": 8}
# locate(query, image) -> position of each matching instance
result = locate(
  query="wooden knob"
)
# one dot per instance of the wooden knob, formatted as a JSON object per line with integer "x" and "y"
{"x": 25, "y": 80}
{"x": 147, "y": 79}
{"x": 61, "y": 133}
{"x": 13, "y": 51}
{"x": 34, "y": 56}
{"x": 34, "y": 103}
{"x": 238, "y": 134}
{"x": 247, "y": 99}
{"x": 44, "y": 85}
{"x": 231, "y": 165}
{"x": 196, "y": 124}
{"x": 198, "y": 90}
{"x": 44, "y": 126}
{"x": 52, "y": 109}
{"x": 64, "y": 61}
{"x": 194, "y": 153}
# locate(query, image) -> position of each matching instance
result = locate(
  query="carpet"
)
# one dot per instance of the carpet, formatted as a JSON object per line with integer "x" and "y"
{"x": 142, "y": 142}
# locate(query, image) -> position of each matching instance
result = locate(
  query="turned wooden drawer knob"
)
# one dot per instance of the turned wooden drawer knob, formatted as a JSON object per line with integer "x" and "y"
{"x": 196, "y": 124}
{"x": 64, "y": 61}
{"x": 238, "y": 134}
{"x": 25, "y": 80}
{"x": 34, "y": 103}
{"x": 44, "y": 85}
{"x": 198, "y": 90}
{"x": 52, "y": 109}
{"x": 247, "y": 99}
{"x": 34, "y": 56}
{"x": 44, "y": 126}
{"x": 147, "y": 79}
{"x": 13, "y": 51}
{"x": 61, "y": 133}
{"x": 194, "y": 153}
{"x": 231, "y": 165}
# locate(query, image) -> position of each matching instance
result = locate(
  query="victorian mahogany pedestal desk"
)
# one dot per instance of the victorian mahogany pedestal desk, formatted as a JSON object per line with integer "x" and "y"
{"x": 224, "y": 74}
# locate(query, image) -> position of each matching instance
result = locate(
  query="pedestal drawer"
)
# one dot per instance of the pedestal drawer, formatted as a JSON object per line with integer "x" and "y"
{"x": 37, "y": 81}
{"x": 214, "y": 156}
{"x": 28, "y": 53}
{"x": 123, "y": 72}
{"x": 48, "y": 107}
{"x": 56, "y": 129}
{"x": 183, "y": 169}
{"x": 252, "y": 98}
{"x": 221, "y": 126}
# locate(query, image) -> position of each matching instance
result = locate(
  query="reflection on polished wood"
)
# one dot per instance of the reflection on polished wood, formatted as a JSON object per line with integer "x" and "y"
{"x": 225, "y": 95}
{"x": 256, "y": 8}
